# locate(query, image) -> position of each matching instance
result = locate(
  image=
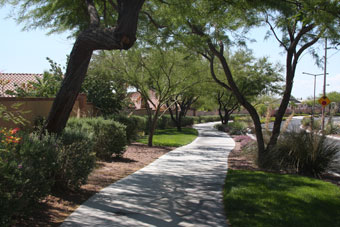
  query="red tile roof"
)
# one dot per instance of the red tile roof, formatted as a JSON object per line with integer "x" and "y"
{"x": 7, "y": 81}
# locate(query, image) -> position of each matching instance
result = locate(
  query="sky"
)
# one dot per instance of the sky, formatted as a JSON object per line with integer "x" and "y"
{"x": 26, "y": 52}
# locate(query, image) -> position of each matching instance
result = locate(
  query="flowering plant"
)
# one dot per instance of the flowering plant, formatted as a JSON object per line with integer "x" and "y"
{"x": 8, "y": 137}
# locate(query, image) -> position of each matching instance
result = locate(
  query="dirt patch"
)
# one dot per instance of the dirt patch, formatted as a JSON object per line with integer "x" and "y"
{"x": 237, "y": 160}
{"x": 53, "y": 210}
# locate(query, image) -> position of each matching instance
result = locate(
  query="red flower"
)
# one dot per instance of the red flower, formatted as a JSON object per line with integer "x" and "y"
{"x": 13, "y": 131}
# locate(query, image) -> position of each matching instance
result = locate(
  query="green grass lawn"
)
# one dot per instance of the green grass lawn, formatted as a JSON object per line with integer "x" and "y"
{"x": 254, "y": 198}
{"x": 171, "y": 137}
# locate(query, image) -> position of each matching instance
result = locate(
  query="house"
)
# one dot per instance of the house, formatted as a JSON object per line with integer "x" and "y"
{"x": 138, "y": 103}
{"x": 9, "y": 80}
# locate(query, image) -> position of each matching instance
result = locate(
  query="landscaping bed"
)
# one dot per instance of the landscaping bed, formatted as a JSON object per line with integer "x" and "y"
{"x": 56, "y": 207}
{"x": 256, "y": 198}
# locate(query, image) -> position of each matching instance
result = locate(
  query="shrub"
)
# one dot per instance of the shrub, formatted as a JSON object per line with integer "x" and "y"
{"x": 209, "y": 118}
{"x": 26, "y": 172}
{"x": 31, "y": 164}
{"x": 221, "y": 127}
{"x": 135, "y": 125}
{"x": 331, "y": 128}
{"x": 166, "y": 122}
{"x": 306, "y": 121}
{"x": 302, "y": 152}
{"x": 237, "y": 128}
{"x": 233, "y": 128}
{"x": 245, "y": 118}
{"x": 109, "y": 137}
{"x": 75, "y": 160}
{"x": 187, "y": 121}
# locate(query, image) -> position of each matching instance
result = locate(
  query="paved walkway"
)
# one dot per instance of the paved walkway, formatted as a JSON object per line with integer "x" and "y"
{"x": 182, "y": 188}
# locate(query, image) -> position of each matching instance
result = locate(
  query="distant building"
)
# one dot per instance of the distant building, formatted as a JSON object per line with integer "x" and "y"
{"x": 138, "y": 103}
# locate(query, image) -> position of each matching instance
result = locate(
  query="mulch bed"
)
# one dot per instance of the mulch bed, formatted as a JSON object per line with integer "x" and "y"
{"x": 238, "y": 160}
{"x": 53, "y": 210}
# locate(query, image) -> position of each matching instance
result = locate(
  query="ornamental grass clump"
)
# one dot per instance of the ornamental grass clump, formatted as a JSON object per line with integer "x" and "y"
{"x": 237, "y": 128}
{"x": 302, "y": 153}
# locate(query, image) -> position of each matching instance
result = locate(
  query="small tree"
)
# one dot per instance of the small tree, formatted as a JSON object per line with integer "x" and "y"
{"x": 155, "y": 72}
{"x": 104, "y": 85}
{"x": 192, "y": 87}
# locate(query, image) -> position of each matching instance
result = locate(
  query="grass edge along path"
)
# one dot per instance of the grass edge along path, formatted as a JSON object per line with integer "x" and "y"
{"x": 256, "y": 198}
{"x": 171, "y": 137}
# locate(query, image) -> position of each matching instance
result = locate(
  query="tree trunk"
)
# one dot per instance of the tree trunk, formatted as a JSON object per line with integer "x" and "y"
{"x": 94, "y": 38}
{"x": 242, "y": 100}
{"x": 179, "y": 124}
{"x": 226, "y": 117}
{"x": 150, "y": 137}
{"x": 290, "y": 72}
{"x": 174, "y": 119}
{"x": 153, "y": 127}
{"x": 221, "y": 115}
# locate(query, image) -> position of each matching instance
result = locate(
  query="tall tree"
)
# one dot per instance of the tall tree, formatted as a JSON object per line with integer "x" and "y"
{"x": 97, "y": 25}
{"x": 155, "y": 73}
{"x": 194, "y": 78}
{"x": 254, "y": 78}
{"x": 302, "y": 23}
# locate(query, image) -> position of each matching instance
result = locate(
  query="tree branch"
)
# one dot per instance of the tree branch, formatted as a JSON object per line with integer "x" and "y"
{"x": 298, "y": 37}
{"x": 212, "y": 72}
{"x": 302, "y": 49}
{"x": 275, "y": 35}
{"x": 114, "y": 5}
{"x": 157, "y": 25}
{"x": 93, "y": 13}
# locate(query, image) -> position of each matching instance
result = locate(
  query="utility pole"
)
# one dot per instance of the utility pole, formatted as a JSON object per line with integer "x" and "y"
{"x": 324, "y": 87}
{"x": 315, "y": 75}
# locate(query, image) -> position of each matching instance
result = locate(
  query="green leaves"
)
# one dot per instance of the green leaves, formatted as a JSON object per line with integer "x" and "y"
{"x": 14, "y": 115}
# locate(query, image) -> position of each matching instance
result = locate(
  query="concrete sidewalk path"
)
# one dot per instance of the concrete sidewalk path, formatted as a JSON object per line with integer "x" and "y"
{"x": 181, "y": 188}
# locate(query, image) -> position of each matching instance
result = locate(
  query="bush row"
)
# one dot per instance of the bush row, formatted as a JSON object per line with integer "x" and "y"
{"x": 138, "y": 125}
{"x": 31, "y": 165}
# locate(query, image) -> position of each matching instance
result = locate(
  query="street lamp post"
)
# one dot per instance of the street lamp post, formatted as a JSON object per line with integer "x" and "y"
{"x": 315, "y": 75}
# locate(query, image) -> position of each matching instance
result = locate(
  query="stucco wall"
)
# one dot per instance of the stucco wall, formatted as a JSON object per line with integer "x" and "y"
{"x": 33, "y": 108}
